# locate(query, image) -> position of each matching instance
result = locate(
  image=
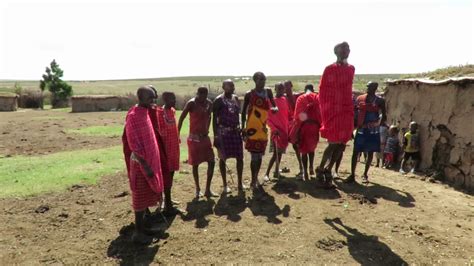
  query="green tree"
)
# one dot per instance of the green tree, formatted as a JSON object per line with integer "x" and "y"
{"x": 60, "y": 90}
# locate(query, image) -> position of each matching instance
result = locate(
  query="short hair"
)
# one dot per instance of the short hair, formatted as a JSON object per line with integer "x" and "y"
{"x": 256, "y": 74}
{"x": 309, "y": 87}
{"x": 340, "y": 45}
{"x": 153, "y": 89}
{"x": 202, "y": 89}
{"x": 167, "y": 94}
{"x": 287, "y": 82}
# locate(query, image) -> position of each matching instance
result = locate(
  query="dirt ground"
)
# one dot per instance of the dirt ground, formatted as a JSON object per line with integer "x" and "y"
{"x": 394, "y": 220}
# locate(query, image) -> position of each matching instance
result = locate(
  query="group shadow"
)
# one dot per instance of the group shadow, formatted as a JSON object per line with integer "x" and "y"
{"x": 129, "y": 253}
{"x": 232, "y": 207}
{"x": 373, "y": 191}
{"x": 365, "y": 249}
{"x": 294, "y": 188}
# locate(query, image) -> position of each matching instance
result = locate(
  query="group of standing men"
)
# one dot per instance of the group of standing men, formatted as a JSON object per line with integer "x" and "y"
{"x": 151, "y": 135}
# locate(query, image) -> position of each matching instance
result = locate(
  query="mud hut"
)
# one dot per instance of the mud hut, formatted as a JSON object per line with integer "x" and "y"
{"x": 8, "y": 102}
{"x": 444, "y": 111}
{"x": 98, "y": 103}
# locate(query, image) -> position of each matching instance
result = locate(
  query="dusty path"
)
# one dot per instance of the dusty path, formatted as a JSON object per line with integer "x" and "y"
{"x": 395, "y": 219}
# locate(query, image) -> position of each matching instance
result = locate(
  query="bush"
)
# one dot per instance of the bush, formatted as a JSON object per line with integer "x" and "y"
{"x": 30, "y": 98}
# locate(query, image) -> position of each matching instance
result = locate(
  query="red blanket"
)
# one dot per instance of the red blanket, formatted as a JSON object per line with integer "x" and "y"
{"x": 139, "y": 138}
{"x": 335, "y": 98}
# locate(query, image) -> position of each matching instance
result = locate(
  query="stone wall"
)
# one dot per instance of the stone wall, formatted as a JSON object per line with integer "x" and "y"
{"x": 98, "y": 103}
{"x": 445, "y": 114}
{"x": 8, "y": 102}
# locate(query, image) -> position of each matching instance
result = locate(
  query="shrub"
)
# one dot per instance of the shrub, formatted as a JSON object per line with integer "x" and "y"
{"x": 30, "y": 98}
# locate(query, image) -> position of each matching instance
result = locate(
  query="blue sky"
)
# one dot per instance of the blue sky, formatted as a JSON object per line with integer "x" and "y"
{"x": 124, "y": 39}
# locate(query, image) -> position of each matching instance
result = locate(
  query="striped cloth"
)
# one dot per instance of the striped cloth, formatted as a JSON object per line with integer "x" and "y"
{"x": 335, "y": 99}
{"x": 139, "y": 138}
{"x": 168, "y": 131}
{"x": 199, "y": 144}
{"x": 229, "y": 142}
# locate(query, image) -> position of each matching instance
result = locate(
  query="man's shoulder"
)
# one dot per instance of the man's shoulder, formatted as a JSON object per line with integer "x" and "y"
{"x": 361, "y": 97}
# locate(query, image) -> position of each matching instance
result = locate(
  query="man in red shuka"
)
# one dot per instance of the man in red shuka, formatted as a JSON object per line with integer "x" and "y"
{"x": 337, "y": 110}
{"x": 142, "y": 157}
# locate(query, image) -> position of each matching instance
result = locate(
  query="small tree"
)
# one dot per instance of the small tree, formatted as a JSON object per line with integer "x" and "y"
{"x": 60, "y": 90}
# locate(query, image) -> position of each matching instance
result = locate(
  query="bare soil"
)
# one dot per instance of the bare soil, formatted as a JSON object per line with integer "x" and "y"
{"x": 394, "y": 220}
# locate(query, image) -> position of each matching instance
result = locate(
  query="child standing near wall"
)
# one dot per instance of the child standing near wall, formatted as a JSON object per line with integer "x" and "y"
{"x": 411, "y": 148}
{"x": 383, "y": 140}
{"x": 392, "y": 145}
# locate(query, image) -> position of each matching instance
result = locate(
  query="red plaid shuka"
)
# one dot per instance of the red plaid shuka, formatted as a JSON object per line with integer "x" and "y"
{"x": 139, "y": 138}
{"x": 168, "y": 130}
{"x": 335, "y": 99}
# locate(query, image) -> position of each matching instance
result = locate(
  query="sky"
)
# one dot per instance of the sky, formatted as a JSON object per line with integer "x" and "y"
{"x": 151, "y": 39}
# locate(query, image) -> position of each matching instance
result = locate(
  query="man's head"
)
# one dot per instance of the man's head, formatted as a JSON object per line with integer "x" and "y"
{"x": 201, "y": 94}
{"x": 342, "y": 50}
{"x": 413, "y": 126}
{"x": 309, "y": 87}
{"x": 169, "y": 99}
{"x": 279, "y": 89}
{"x": 146, "y": 96}
{"x": 288, "y": 86}
{"x": 228, "y": 86}
{"x": 372, "y": 87}
{"x": 259, "y": 79}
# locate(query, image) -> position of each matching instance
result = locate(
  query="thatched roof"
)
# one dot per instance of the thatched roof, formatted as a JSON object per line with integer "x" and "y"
{"x": 459, "y": 80}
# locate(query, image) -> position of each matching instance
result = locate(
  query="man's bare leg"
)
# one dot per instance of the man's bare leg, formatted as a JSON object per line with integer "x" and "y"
{"x": 223, "y": 171}
{"x": 370, "y": 157}
{"x": 298, "y": 157}
{"x": 311, "y": 163}
{"x": 240, "y": 169}
{"x": 210, "y": 173}
{"x": 272, "y": 161}
{"x": 304, "y": 160}
{"x": 196, "y": 180}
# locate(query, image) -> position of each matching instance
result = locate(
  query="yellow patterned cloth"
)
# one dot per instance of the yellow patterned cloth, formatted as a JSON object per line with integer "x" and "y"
{"x": 256, "y": 128}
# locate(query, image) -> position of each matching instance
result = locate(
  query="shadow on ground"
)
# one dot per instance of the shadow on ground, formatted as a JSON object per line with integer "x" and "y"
{"x": 294, "y": 188}
{"x": 198, "y": 210}
{"x": 375, "y": 191}
{"x": 365, "y": 249}
{"x": 129, "y": 253}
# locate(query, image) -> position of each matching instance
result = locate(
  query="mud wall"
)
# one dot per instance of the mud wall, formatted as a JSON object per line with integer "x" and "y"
{"x": 8, "y": 102}
{"x": 445, "y": 114}
{"x": 98, "y": 103}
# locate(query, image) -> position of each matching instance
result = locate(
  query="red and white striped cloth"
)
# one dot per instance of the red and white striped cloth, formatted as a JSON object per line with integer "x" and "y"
{"x": 140, "y": 139}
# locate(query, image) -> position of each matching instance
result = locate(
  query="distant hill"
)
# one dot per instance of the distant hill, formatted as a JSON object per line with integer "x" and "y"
{"x": 447, "y": 72}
